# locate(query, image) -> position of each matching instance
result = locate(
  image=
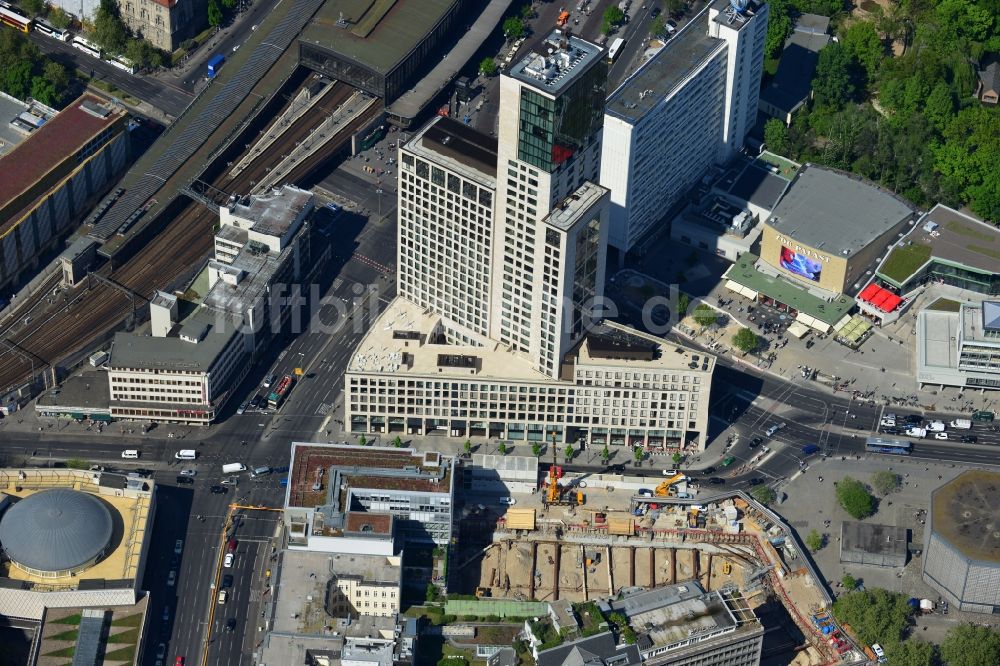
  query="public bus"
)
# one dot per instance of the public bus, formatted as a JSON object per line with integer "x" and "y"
{"x": 11, "y": 17}
{"x": 896, "y": 447}
{"x": 276, "y": 397}
{"x": 85, "y": 45}
{"x": 615, "y": 49}
{"x": 121, "y": 62}
{"x": 51, "y": 31}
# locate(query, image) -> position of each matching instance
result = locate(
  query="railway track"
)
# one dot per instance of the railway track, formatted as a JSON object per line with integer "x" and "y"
{"x": 91, "y": 313}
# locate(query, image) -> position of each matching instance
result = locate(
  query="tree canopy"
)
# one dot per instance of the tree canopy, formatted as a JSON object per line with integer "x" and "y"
{"x": 885, "y": 482}
{"x": 746, "y": 340}
{"x": 763, "y": 494}
{"x": 26, "y": 72}
{"x": 912, "y": 652}
{"x": 877, "y": 615}
{"x": 613, "y": 17}
{"x": 855, "y": 498}
{"x": 966, "y": 645}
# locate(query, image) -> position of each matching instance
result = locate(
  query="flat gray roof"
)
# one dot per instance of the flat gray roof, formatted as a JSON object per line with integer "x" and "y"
{"x": 960, "y": 238}
{"x": 759, "y": 187}
{"x": 457, "y": 147}
{"x": 574, "y": 207}
{"x": 938, "y": 347}
{"x": 873, "y": 538}
{"x": 376, "y": 34}
{"x": 84, "y": 393}
{"x": 686, "y": 52}
{"x": 836, "y": 212}
{"x": 10, "y": 137}
{"x": 555, "y": 62}
{"x": 272, "y": 212}
{"x": 130, "y": 350}
{"x": 724, "y": 18}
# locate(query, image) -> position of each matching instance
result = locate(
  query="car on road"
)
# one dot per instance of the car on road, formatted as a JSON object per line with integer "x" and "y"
{"x": 188, "y": 472}
{"x": 227, "y": 580}
{"x": 161, "y": 650}
{"x": 756, "y": 481}
{"x": 770, "y": 432}
{"x": 708, "y": 471}
{"x": 223, "y": 596}
{"x": 231, "y": 544}
{"x": 644, "y": 492}
{"x": 969, "y": 439}
{"x": 178, "y": 546}
{"x": 228, "y": 561}
{"x": 242, "y": 408}
{"x": 219, "y": 490}
{"x": 717, "y": 480}
{"x": 231, "y": 624}
{"x": 508, "y": 501}
{"x": 166, "y": 613}
{"x": 270, "y": 379}
{"x": 184, "y": 480}
{"x": 913, "y": 419}
{"x": 179, "y": 661}
{"x": 940, "y": 435}
{"x": 810, "y": 449}
{"x": 256, "y": 401}
{"x": 728, "y": 461}
{"x": 142, "y": 471}
{"x": 755, "y": 442}
{"x": 230, "y": 481}
{"x": 171, "y": 578}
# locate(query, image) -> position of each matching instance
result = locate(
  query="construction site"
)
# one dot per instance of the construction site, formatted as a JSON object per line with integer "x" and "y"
{"x": 570, "y": 550}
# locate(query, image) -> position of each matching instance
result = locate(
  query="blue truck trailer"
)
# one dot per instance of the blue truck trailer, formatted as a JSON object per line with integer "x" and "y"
{"x": 214, "y": 63}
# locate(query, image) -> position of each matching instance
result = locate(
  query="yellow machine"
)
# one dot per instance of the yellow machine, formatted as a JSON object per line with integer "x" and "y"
{"x": 727, "y": 568}
{"x": 669, "y": 486}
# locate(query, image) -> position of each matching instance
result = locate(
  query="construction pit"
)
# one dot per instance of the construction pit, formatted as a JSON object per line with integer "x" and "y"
{"x": 572, "y": 553}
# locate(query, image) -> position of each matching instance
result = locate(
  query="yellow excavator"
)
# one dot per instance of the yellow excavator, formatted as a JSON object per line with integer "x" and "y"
{"x": 669, "y": 486}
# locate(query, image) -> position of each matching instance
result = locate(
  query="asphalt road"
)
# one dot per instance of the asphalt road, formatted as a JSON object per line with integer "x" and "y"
{"x": 163, "y": 95}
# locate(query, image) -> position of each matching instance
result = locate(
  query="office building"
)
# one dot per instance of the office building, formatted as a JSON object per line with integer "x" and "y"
{"x": 689, "y": 107}
{"x": 683, "y": 625}
{"x": 447, "y": 183}
{"x": 53, "y": 176}
{"x": 372, "y": 500}
{"x": 364, "y": 585}
{"x": 959, "y": 348}
{"x": 548, "y": 268}
{"x": 201, "y": 344}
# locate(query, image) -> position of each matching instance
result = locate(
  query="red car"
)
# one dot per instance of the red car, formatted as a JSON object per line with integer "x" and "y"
{"x": 231, "y": 545}
{"x": 179, "y": 661}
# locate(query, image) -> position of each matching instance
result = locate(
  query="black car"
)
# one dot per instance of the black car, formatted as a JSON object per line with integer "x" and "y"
{"x": 708, "y": 470}
{"x": 219, "y": 490}
{"x": 231, "y": 624}
{"x": 257, "y": 401}
{"x": 227, "y": 580}
{"x": 755, "y": 442}
{"x": 617, "y": 469}
{"x": 914, "y": 419}
{"x": 893, "y": 430}
{"x": 756, "y": 482}
{"x": 969, "y": 439}
{"x": 184, "y": 480}
{"x": 717, "y": 480}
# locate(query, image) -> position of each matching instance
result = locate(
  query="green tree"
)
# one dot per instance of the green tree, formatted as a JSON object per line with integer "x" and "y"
{"x": 536, "y": 449}
{"x": 502, "y": 448}
{"x": 776, "y": 136}
{"x": 15, "y": 77}
{"x": 834, "y": 82}
{"x": 855, "y": 498}
{"x": 228, "y": 4}
{"x": 110, "y": 32}
{"x": 513, "y": 28}
{"x": 861, "y": 40}
{"x": 939, "y": 106}
{"x": 613, "y": 17}
{"x": 44, "y": 91}
{"x": 912, "y": 652}
{"x": 605, "y": 454}
{"x": 658, "y": 27}
{"x": 568, "y": 452}
{"x": 814, "y": 540}
{"x": 849, "y": 582}
{"x": 966, "y": 645}
{"x": 746, "y": 340}
{"x": 397, "y": 442}
{"x": 683, "y": 303}
{"x": 677, "y": 458}
{"x": 779, "y": 27}
{"x": 58, "y": 75}
{"x": 877, "y": 615}
{"x": 78, "y": 463}
{"x": 33, "y": 7}
{"x": 59, "y": 18}
{"x": 214, "y": 13}
{"x": 467, "y": 447}
{"x": 488, "y": 66}
{"x": 638, "y": 454}
{"x": 705, "y": 316}
{"x": 527, "y": 12}
{"x": 362, "y": 440}
{"x": 885, "y": 482}
{"x": 763, "y": 494}
{"x": 676, "y": 7}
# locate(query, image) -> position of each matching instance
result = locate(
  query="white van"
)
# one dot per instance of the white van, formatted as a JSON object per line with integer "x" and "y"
{"x": 131, "y": 454}
{"x": 259, "y": 471}
{"x": 186, "y": 454}
{"x": 232, "y": 468}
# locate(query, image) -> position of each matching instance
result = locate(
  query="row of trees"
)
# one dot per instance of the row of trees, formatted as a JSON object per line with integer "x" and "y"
{"x": 27, "y": 73}
{"x": 113, "y": 36}
{"x": 907, "y": 120}
{"x": 54, "y": 15}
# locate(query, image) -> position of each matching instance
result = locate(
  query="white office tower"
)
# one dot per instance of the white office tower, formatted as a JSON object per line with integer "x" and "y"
{"x": 689, "y": 107}
{"x": 551, "y": 112}
{"x": 447, "y": 180}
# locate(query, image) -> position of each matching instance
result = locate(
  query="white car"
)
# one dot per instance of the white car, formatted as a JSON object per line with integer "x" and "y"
{"x": 228, "y": 561}
{"x": 171, "y": 578}
{"x": 888, "y": 423}
{"x": 223, "y": 595}
{"x": 879, "y": 652}
{"x": 509, "y": 501}
{"x": 940, "y": 435}
{"x": 242, "y": 408}
{"x": 188, "y": 472}
{"x": 178, "y": 546}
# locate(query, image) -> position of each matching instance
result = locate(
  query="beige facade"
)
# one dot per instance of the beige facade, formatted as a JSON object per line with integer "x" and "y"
{"x": 165, "y": 23}
{"x": 834, "y": 269}
{"x": 365, "y": 597}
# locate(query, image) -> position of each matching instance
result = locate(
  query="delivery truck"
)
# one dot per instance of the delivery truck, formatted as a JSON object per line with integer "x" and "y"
{"x": 961, "y": 424}
{"x": 233, "y": 468}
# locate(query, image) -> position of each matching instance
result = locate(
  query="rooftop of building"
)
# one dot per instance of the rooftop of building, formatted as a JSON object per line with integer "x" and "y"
{"x": 815, "y": 24}
{"x": 792, "y": 83}
{"x": 555, "y": 62}
{"x": 12, "y": 129}
{"x": 744, "y": 272}
{"x": 79, "y": 395}
{"x": 949, "y": 236}
{"x": 873, "y": 538}
{"x": 965, "y": 512}
{"x": 836, "y": 212}
{"x": 576, "y": 206}
{"x": 981, "y": 322}
{"x": 255, "y": 270}
{"x": 131, "y": 511}
{"x": 272, "y": 213}
{"x": 592, "y": 651}
{"x": 937, "y": 347}
{"x": 58, "y": 139}
{"x": 376, "y": 33}
{"x": 675, "y": 613}
{"x": 661, "y": 75}
{"x": 368, "y": 568}
{"x": 411, "y": 470}
{"x": 213, "y": 330}
{"x": 364, "y": 522}
{"x": 734, "y": 14}
{"x": 377, "y": 652}
{"x": 756, "y": 185}
{"x": 615, "y": 345}
{"x": 457, "y": 147}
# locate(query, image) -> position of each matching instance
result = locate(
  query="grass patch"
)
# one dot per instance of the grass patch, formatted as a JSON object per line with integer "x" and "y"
{"x": 128, "y": 636}
{"x": 69, "y": 619}
{"x": 128, "y": 621}
{"x": 65, "y": 652}
{"x": 987, "y": 251}
{"x": 904, "y": 262}
{"x": 68, "y": 635}
{"x": 177, "y": 56}
{"x": 547, "y": 634}
{"x": 126, "y": 654}
{"x": 968, "y": 232}
{"x": 591, "y": 620}
{"x": 203, "y": 36}
{"x": 945, "y": 305}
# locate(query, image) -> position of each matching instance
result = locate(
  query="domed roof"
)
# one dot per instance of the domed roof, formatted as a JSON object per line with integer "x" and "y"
{"x": 56, "y": 530}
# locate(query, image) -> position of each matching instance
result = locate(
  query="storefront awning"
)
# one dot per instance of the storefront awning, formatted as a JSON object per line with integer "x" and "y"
{"x": 880, "y": 298}
{"x": 812, "y": 322}
{"x": 741, "y": 290}
{"x": 798, "y": 329}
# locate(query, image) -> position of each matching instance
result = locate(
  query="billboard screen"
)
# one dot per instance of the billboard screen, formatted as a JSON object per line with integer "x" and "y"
{"x": 800, "y": 264}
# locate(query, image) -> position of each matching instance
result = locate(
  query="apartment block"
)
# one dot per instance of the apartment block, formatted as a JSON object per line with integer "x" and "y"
{"x": 165, "y": 23}
{"x": 364, "y": 585}
{"x": 687, "y": 108}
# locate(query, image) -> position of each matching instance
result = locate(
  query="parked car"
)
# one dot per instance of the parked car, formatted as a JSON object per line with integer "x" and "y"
{"x": 231, "y": 624}
{"x": 161, "y": 650}
{"x": 256, "y": 401}
{"x": 171, "y": 578}
{"x": 969, "y": 439}
{"x": 228, "y": 561}
{"x": 708, "y": 471}
{"x": 227, "y": 580}
{"x": 508, "y": 501}
{"x": 223, "y": 596}
{"x": 242, "y": 408}
{"x": 717, "y": 480}
{"x": 231, "y": 544}
{"x": 188, "y": 472}
{"x": 755, "y": 442}
{"x": 178, "y": 546}
{"x": 940, "y": 435}
{"x": 913, "y": 419}
{"x": 182, "y": 480}
{"x": 219, "y": 490}
{"x": 166, "y": 613}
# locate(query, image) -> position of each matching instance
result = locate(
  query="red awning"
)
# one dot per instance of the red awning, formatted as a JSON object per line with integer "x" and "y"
{"x": 881, "y": 298}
